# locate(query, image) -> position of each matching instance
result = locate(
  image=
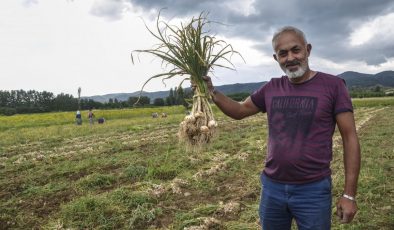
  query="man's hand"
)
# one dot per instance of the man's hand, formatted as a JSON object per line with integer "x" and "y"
{"x": 193, "y": 85}
{"x": 346, "y": 210}
{"x": 210, "y": 86}
{"x": 208, "y": 81}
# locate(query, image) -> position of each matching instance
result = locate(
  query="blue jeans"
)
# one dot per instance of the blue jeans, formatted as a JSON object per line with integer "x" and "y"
{"x": 309, "y": 204}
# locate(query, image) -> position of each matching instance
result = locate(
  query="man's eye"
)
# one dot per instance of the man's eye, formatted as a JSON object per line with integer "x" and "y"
{"x": 282, "y": 54}
{"x": 296, "y": 50}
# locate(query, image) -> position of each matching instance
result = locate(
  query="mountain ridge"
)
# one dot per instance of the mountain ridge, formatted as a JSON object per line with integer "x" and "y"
{"x": 353, "y": 79}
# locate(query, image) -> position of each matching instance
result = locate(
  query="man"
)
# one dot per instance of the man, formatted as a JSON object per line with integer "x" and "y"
{"x": 303, "y": 108}
{"x": 91, "y": 116}
{"x": 78, "y": 118}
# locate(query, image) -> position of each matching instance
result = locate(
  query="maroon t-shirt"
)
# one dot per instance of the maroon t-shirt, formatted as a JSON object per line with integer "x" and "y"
{"x": 301, "y": 121}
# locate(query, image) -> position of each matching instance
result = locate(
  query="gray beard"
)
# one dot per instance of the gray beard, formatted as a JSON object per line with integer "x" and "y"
{"x": 296, "y": 74}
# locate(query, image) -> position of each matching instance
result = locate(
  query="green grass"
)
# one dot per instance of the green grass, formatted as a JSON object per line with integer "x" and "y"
{"x": 373, "y": 102}
{"x": 376, "y": 190}
{"x": 131, "y": 172}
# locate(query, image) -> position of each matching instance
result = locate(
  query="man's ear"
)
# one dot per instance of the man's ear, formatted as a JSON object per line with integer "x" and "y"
{"x": 275, "y": 57}
{"x": 309, "y": 48}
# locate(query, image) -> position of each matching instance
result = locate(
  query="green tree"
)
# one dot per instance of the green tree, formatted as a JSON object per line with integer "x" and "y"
{"x": 170, "y": 100}
{"x": 46, "y": 100}
{"x": 65, "y": 102}
{"x": 158, "y": 102}
{"x": 181, "y": 96}
{"x": 5, "y": 98}
{"x": 143, "y": 100}
{"x": 239, "y": 96}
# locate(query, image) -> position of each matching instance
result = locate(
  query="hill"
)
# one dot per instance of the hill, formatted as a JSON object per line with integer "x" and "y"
{"x": 226, "y": 89}
{"x": 125, "y": 96}
{"x": 353, "y": 79}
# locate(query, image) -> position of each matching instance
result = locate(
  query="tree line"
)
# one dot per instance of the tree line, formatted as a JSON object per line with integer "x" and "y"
{"x": 22, "y": 102}
{"x": 375, "y": 91}
{"x": 31, "y": 101}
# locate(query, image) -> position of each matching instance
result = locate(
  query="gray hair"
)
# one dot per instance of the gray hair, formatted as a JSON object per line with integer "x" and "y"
{"x": 287, "y": 29}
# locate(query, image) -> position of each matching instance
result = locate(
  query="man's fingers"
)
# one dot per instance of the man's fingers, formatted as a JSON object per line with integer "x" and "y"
{"x": 343, "y": 216}
{"x": 339, "y": 212}
{"x": 193, "y": 85}
{"x": 206, "y": 78}
{"x": 348, "y": 217}
{"x": 345, "y": 219}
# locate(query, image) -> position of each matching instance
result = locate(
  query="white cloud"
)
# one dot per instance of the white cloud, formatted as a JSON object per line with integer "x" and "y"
{"x": 246, "y": 48}
{"x": 379, "y": 28}
{"x": 244, "y": 7}
{"x": 328, "y": 66}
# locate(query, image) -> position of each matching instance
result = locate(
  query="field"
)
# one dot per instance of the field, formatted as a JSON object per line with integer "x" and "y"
{"x": 131, "y": 173}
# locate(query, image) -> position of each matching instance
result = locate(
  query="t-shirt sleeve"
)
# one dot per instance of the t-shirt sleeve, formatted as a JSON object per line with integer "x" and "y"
{"x": 343, "y": 103}
{"x": 258, "y": 98}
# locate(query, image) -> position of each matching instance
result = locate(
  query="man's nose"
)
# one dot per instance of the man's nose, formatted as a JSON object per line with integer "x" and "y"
{"x": 290, "y": 56}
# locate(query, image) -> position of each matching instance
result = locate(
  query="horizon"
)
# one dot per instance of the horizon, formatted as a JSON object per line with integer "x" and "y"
{"x": 157, "y": 91}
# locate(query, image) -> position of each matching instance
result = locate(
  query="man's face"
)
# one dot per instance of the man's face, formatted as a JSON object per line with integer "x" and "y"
{"x": 291, "y": 52}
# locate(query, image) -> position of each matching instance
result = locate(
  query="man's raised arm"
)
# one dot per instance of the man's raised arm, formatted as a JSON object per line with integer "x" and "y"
{"x": 234, "y": 109}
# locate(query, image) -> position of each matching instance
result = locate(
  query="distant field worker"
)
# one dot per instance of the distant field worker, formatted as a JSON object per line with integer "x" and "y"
{"x": 78, "y": 118}
{"x": 91, "y": 116}
{"x": 303, "y": 107}
{"x": 101, "y": 120}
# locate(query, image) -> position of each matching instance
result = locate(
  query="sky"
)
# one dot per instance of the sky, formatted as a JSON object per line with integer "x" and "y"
{"x": 60, "y": 45}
